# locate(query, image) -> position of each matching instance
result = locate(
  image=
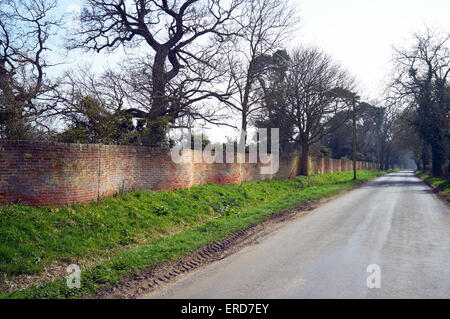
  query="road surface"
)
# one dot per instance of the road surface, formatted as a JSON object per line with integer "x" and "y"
{"x": 395, "y": 222}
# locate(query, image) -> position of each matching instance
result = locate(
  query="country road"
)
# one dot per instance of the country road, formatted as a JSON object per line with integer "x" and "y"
{"x": 395, "y": 222}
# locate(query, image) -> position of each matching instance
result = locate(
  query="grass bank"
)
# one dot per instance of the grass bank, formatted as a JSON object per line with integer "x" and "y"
{"x": 164, "y": 225}
{"x": 441, "y": 185}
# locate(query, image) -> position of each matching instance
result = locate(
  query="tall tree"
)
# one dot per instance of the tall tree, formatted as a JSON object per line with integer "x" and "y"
{"x": 190, "y": 92}
{"x": 421, "y": 81}
{"x": 271, "y": 89}
{"x": 264, "y": 25}
{"x": 178, "y": 33}
{"x": 26, "y": 97}
{"x": 317, "y": 89}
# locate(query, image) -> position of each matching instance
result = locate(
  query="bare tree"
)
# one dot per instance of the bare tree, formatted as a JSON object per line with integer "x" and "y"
{"x": 421, "y": 81}
{"x": 317, "y": 90}
{"x": 264, "y": 25}
{"x": 90, "y": 108}
{"x": 88, "y": 98}
{"x": 26, "y": 97}
{"x": 190, "y": 94}
{"x": 177, "y": 32}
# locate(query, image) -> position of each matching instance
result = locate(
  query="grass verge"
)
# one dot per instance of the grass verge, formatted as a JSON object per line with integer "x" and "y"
{"x": 175, "y": 223}
{"x": 441, "y": 185}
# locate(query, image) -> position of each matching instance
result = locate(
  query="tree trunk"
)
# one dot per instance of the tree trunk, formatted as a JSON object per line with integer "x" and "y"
{"x": 378, "y": 154}
{"x": 243, "y": 138}
{"x": 419, "y": 165}
{"x": 158, "y": 117}
{"x": 387, "y": 158}
{"x": 437, "y": 157}
{"x": 382, "y": 157}
{"x": 304, "y": 159}
{"x": 244, "y": 106}
{"x": 159, "y": 82}
{"x": 425, "y": 158}
{"x": 12, "y": 123}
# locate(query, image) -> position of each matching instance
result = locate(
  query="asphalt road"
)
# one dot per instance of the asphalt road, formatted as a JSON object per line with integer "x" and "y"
{"x": 395, "y": 222}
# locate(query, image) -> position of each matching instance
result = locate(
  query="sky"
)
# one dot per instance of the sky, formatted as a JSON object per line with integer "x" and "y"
{"x": 360, "y": 34}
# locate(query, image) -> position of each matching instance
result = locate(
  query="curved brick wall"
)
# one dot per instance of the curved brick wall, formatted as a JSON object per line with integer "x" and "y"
{"x": 58, "y": 173}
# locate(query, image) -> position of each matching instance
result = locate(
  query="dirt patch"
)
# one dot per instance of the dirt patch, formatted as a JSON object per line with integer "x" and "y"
{"x": 58, "y": 268}
{"x": 55, "y": 270}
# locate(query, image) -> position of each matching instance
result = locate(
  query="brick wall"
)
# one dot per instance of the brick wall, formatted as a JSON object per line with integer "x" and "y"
{"x": 35, "y": 173}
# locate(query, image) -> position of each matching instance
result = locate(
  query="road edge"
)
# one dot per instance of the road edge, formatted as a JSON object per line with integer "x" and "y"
{"x": 445, "y": 199}
{"x": 155, "y": 278}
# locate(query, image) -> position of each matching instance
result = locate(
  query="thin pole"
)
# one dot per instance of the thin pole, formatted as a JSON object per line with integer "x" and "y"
{"x": 354, "y": 138}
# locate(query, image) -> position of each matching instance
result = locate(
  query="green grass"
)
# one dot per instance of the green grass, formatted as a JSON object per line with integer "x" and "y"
{"x": 442, "y": 185}
{"x": 164, "y": 224}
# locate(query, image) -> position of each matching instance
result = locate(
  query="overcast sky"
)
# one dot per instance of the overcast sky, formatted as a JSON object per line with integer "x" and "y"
{"x": 358, "y": 33}
{"x": 361, "y": 33}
